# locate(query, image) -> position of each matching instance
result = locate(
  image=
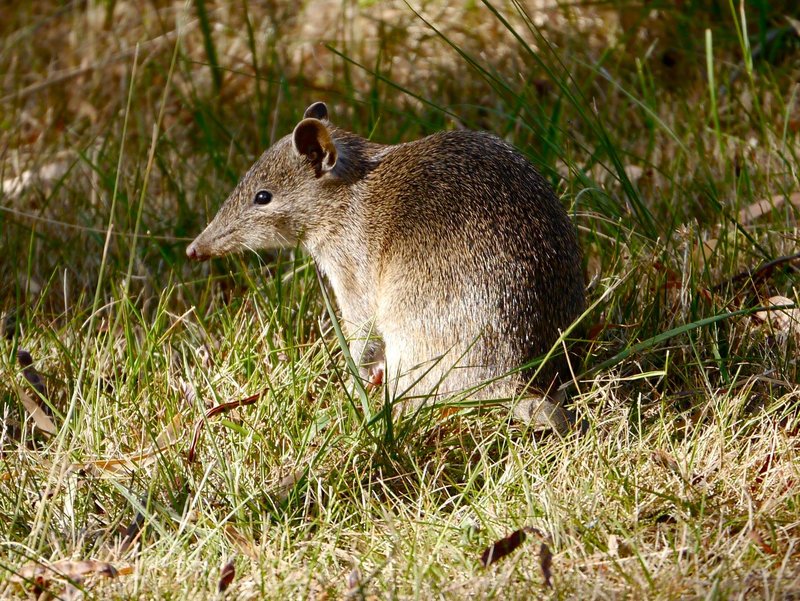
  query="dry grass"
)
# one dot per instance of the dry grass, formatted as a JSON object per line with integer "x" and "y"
{"x": 122, "y": 127}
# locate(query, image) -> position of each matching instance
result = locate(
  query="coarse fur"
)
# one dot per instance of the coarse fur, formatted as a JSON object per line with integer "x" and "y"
{"x": 451, "y": 258}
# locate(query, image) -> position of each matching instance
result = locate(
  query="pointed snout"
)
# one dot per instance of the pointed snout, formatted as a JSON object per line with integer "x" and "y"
{"x": 194, "y": 254}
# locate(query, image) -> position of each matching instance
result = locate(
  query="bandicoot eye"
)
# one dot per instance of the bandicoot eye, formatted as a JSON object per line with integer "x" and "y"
{"x": 262, "y": 197}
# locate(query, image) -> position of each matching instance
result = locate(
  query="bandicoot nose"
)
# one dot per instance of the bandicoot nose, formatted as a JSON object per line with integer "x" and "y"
{"x": 191, "y": 252}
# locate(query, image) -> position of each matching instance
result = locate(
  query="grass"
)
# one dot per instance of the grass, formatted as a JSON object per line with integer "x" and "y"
{"x": 662, "y": 130}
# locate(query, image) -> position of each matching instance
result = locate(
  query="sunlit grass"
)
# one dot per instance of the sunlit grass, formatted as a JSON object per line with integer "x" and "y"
{"x": 680, "y": 477}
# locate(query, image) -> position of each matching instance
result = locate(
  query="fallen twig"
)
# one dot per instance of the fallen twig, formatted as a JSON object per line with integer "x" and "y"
{"x": 198, "y": 427}
{"x": 762, "y": 272}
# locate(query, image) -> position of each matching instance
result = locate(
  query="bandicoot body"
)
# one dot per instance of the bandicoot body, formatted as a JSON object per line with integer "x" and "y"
{"x": 452, "y": 261}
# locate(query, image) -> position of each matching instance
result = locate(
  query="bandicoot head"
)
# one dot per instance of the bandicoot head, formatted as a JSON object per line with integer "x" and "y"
{"x": 280, "y": 199}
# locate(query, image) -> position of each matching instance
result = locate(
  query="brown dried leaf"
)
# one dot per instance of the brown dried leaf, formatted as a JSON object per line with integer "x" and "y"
{"x": 795, "y": 23}
{"x": 168, "y": 437}
{"x": 287, "y": 484}
{"x": 766, "y": 205}
{"x": 317, "y": 592}
{"x": 65, "y": 568}
{"x": 664, "y": 459}
{"x": 617, "y": 548}
{"x": 40, "y": 418}
{"x": 240, "y": 541}
{"x": 72, "y": 592}
{"x": 546, "y": 563}
{"x": 119, "y": 464}
{"x": 133, "y": 532}
{"x": 701, "y": 253}
{"x": 784, "y": 320}
{"x": 205, "y": 357}
{"x": 777, "y": 470}
{"x": 353, "y": 580}
{"x": 38, "y": 411}
{"x": 30, "y": 373}
{"x": 667, "y": 461}
{"x": 188, "y": 392}
{"x": 45, "y": 175}
{"x": 613, "y": 545}
{"x": 499, "y": 549}
{"x": 634, "y": 172}
{"x": 756, "y": 537}
{"x": 227, "y": 575}
{"x": 171, "y": 434}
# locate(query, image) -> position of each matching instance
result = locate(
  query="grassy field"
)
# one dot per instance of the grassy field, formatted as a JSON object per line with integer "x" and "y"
{"x": 671, "y": 132}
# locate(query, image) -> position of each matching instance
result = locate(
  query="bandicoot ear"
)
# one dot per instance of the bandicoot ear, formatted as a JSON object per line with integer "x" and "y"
{"x": 318, "y": 110}
{"x": 312, "y": 140}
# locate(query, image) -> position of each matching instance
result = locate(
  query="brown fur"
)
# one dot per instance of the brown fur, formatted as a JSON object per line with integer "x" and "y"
{"x": 451, "y": 249}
